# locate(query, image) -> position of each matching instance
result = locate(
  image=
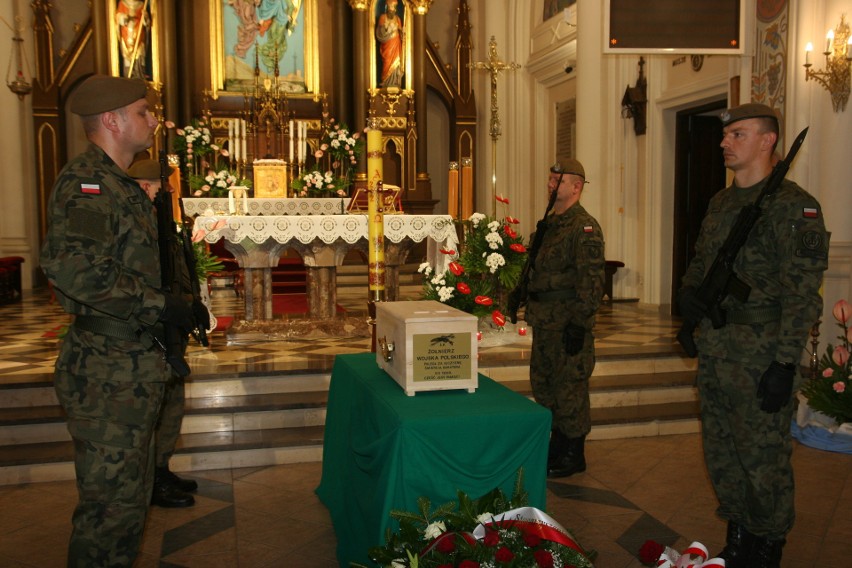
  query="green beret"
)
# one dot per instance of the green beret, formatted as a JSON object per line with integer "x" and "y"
{"x": 748, "y": 110}
{"x": 147, "y": 169}
{"x": 102, "y": 93}
{"x": 569, "y": 166}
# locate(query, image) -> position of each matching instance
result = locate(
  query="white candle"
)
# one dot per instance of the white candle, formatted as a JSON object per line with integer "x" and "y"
{"x": 808, "y": 49}
{"x": 231, "y": 136}
{"x": 304, "y": 140}
{"x": 291, "y": 142}
{"x": 236, "y": 149}
{"x": 829, "y": 41}
{"x": 244, "y": 152}
{"x": 231, "y": 207}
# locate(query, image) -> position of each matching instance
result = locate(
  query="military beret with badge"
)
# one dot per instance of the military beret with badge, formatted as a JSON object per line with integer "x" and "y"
{"x": 748, "y": 110}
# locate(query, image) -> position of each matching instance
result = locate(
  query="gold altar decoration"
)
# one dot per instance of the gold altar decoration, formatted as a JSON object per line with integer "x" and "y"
{"x": 494, "y": 66}
{"x": 271, "y": 178}
{"x": 391, "y": 199}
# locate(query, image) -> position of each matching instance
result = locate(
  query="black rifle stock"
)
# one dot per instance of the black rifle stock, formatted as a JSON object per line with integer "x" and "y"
{"x": 721, "y": 281}
{"x": 170, "y": 275}
{"x": 518, "y": 296}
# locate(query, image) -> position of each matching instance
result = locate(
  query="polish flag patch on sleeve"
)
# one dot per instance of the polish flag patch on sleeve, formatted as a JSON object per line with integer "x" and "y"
{"x": 810, "y": 212}
{"x": 588, "y": 229}
{"x": 90, "y": 188}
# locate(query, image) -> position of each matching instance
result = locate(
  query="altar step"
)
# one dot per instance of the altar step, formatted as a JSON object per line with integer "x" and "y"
{"x": 234, "y": 421}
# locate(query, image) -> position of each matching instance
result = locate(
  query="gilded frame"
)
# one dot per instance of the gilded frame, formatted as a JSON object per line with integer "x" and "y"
{"x": 152, "y": 63}
{"x": 377, "y": 7}
{"x": 221, "y": 83}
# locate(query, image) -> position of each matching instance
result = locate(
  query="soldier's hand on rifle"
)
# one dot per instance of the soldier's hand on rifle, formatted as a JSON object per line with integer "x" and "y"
{"x": 178, "y": 312}
{"x": 691, "y": 308}
{"x": 574, "y": 337}
{"x": 776, "y": 386}
{"x": 202, "y": 315}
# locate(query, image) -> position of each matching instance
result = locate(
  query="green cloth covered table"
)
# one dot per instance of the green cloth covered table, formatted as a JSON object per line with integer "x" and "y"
{"x": 383, "y": 449}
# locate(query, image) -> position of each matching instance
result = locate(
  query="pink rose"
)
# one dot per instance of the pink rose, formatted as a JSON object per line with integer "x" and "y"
{"x": 840, "y": 355}
{"x": 841, "y": 311}
{"x": 839, "y": 387}
{"x": 828, "y": 373}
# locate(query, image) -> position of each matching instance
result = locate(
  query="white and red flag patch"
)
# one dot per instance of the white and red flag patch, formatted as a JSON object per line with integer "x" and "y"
{"x": 90, "y": 188}
{"x": 810, "y": 212}
{"x": 588, "y": 229}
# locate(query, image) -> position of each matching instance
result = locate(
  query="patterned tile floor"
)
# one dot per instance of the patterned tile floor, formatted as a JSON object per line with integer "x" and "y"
{"x": 633, "y": 490}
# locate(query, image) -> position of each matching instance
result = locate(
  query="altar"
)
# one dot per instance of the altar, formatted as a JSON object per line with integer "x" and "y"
{"x": 258, "y": 241}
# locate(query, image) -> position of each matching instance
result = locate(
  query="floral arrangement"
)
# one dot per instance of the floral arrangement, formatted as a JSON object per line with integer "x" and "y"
{"x": 695, "y": 556}
{"x": 336, "y": 160}
{"x": 215, "y": 183}
{"x": 488, "y": 268}
{"x": 831, "y": 392}
{"x": 192, "y": 143}
{"x": 471, "y": 534}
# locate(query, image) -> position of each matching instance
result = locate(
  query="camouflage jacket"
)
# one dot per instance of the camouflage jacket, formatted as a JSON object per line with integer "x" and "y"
{"x": 782, "y": 260}
{"x": 571, "y": 258}
{"x": 101, "y": 255}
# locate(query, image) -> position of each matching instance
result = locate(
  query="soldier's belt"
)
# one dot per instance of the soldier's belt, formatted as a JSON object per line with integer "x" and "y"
{"x": 108, "y": 327}
{"x": 750, "y": 316}
{"x": 552, "y": 295}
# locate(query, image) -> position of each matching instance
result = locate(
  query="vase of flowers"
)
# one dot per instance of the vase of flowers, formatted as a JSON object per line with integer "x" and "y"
{"x": 335, "y": 161}
{"x": 830, "y": 392}
{"x": 193, "y": 143}
{"x": 479, "y": 278}
{"x": 215, "y": 183}
{"x": 472, "y": 533}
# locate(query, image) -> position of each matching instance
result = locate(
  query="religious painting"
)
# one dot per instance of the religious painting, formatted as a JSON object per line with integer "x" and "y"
{"x": 553, "y": 7}
{"x": 391, "y": 45}
{"x": 132, "y": 26}
{"x": 275, "y": 36}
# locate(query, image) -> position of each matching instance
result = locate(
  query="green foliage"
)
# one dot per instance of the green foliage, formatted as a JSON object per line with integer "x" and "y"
{"x": 205, "y": 263}
{"x": 830, "y": 392}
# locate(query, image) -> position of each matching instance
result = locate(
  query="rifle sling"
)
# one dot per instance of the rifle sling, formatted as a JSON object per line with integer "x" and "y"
{"x": 751, "y": 316}
{"x": 552, "y": 295}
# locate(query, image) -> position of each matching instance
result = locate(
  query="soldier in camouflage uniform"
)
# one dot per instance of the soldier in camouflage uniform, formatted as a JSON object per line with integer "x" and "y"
{"x": 564, "y": 293}
{"x": 100, "y": 254}
{"x": 747, "y": 368}
{"x": 170, "y": 490}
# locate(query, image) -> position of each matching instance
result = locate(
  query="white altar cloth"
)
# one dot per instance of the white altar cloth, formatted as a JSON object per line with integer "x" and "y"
{"x": 194, "y": 206}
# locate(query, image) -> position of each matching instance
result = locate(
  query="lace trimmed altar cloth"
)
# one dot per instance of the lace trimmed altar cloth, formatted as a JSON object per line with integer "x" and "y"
{"x": 194, "y": 206}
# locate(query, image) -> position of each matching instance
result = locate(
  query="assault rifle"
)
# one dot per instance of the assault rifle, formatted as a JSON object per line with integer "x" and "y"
{"x": 721, "y": 281}
{"x": 171, "y": 274}
{"x": 518, "y": 296}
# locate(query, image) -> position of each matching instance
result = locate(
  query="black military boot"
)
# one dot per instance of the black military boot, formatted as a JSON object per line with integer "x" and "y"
{"x": 766, "y": 553}
{"x": 557, "y": 447}
{"x": 165, "y": 475}
{"x": 737, "y": 546}
{"x": 167, "y": 492}
{"x": 570, "y": 461}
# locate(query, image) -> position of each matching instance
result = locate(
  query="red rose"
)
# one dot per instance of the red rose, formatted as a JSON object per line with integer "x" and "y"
{"x": 468, "y": 564}
{"x": 483, "y": 300}
{"x": 492, "y": 538}
{"x": 447, "y": 544}
{"x": 463, "y": 288}
{"x": 498, "y": 318}
{"x": 532, "y": 540}
{"x": 543, "y": 558}
{"x": 456, "y": 268}
{"x": 650, "y": 552}
{"x": 504, "y": 555}
{"x": 518, "y": 247}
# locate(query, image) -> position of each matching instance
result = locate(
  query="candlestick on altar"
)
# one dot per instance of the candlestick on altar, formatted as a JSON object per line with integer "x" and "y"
{"x": 453, "y": 191}
{"x": 243, "y": 152}
{"x": 231, "y": 140}
{"x": 375, "y": 223}
{"x": 466, "y": 198}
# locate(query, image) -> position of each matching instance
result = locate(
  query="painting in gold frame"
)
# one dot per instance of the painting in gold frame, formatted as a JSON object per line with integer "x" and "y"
{"x": 390, "y": 51}
{"x": 235, "y": 26}
{"x": 133, "y": 29}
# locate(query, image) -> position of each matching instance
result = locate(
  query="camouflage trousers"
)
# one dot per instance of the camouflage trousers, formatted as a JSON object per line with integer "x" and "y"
{"x": 171, "y": 417}
{"x": 560, "y": 382}
{"x": 747, "y": 451}
{"x": 112, "y": 425}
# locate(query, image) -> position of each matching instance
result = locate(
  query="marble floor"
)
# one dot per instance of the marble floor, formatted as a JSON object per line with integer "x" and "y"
{"x": 634, "y": 489}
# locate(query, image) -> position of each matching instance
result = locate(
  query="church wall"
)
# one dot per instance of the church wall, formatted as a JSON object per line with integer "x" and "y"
{"x": 18, "y": 226}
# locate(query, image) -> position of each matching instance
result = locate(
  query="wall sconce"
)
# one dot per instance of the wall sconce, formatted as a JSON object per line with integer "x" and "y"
{"x": 20, "y": 86}
{"x": 838, "y": 58}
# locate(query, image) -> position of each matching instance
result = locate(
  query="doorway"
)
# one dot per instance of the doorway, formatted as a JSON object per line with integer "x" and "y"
{"x": 699, "y": 175}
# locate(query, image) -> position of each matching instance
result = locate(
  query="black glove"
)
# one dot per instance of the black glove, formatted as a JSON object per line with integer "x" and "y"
{"x": 202, "y": 315}
{"x": 178, "y": 312}
{"x": 573, "y": 336}
{"x": 691, "y": 308}
{"x": 776, "y": 386}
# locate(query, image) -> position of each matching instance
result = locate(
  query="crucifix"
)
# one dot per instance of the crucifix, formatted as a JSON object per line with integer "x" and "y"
{"x": 494, "y": 66}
